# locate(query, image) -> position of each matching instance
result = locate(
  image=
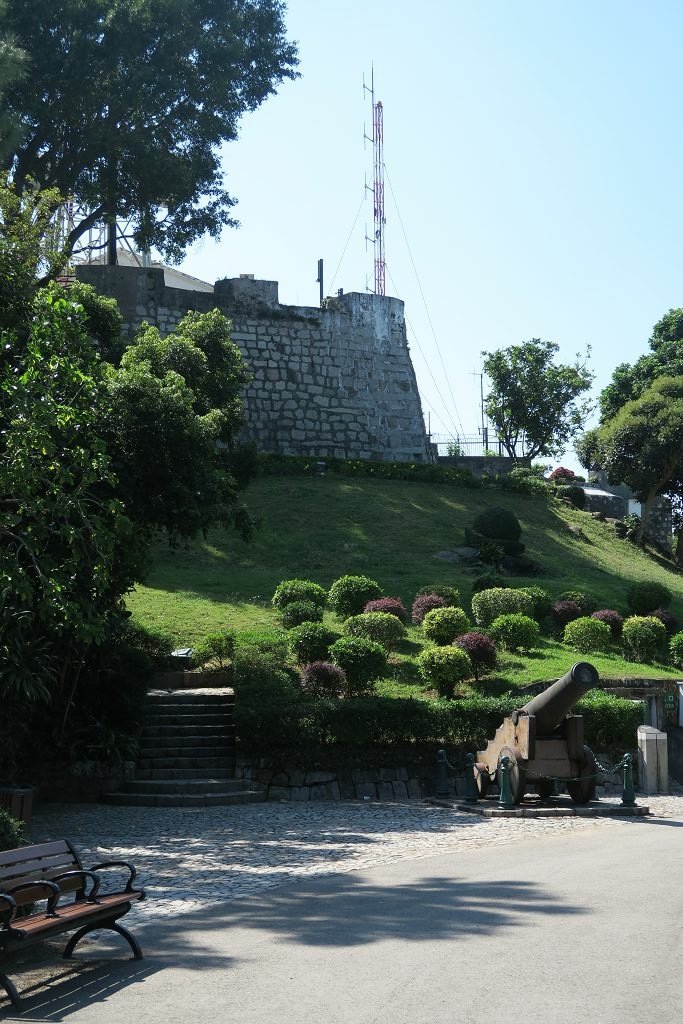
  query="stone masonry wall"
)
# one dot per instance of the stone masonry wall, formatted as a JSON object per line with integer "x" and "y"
{"x": 336, "y": 381}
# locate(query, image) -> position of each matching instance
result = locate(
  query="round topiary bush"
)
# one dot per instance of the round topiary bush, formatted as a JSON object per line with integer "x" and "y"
{"x": 218, "y": 647}
{"x": 576, "y": 496}
{"x": 425, "y": 603}
{"x": 300, "y": 611}
{"x": 390, "y": 605}
{"x": 487, "y": 605}
{"x": 542, "y": 602}
{"x": 444, "y": 667}
{"x": 480, "y": 649}
{"x": 310, "y": 642}
{"x": 644, "y": 597}
{"x": 383, "y": 628}
{"x": 642, "y": 638}
{"x": 668, "y": 620}
{"x": 349, "y": 595}
{"x": 676, "y": 650}
{"x": 362, "y": 660}
{"x": 613, "y": 619}
{"x": 587, "y": 634}
{"x": 323, "y": 679}
{"x": 289, "y": 591}
{"x": 488, "y": 581}
{"x": 564, "y": 612}
{"x": 586, "y": 601}
{"x": 515, "y": 632}
{"x": 451, "y": 595}
{"x": 498, "y": 524}
{"x": 442, "y": 625}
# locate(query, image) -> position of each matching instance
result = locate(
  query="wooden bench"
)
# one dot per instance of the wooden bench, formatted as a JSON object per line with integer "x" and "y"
{"x": 53, "y": 872}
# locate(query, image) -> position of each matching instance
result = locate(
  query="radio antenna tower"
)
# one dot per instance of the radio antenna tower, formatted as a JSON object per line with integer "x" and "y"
{"x": 377, "y": 189}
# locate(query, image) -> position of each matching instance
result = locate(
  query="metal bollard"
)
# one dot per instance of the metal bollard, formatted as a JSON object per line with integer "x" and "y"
{"x": 628, "y": 796}
{"x": 505, "y": 791}
{"x": 442, "y": 787}
{"x": 471, "y": 793}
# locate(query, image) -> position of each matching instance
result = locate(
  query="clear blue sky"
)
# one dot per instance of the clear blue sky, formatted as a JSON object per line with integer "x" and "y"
{"x": 534, "y": 151}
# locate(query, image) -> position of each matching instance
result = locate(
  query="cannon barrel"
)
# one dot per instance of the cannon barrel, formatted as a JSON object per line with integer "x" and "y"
{"x": 551, "y": 706}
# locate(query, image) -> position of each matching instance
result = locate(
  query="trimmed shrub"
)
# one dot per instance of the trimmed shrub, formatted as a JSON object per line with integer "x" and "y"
{"x": 524, "y": 481}
{"x": 676, "y": 649}
{"x": 423, "y": 604}
{"x": 389, "y": 605}
{"x": 480, "y": 649}
{"x": 628, "y": 527}
{"x": 564, "y": 612}
{"x": 219, "y": 647}
{"x": 487, "y": 605}
{"x": 443, "y": 667}
{"x": 442, "y": 625}
{"x": 541, "y": 602}
{"x": 586, "y": 601}
{"x": 300, "y": 611}
{"x": 451, "y": 595}
{"x": 613, "y": 619}
{"x": 311, "y": 641}
{"x": 323, "y": 679}
{"x": 290, "y": 591}
{"x": 498, "y": 524}
{"x": 515, "y": 632}
{"x": 587, "y": 634}
{"x": 488, "y": 581}
{"x": 576, "y": 496}
{"x": 644, "y": 597}
{"x": 266, "y": 641}
{"x": 349, "y": 595}
{"x": 668, "y": 620}
{"x": 262, "y": 673}
{"x": 562, "y": 473}
{"x": 642, "y": 638}
{"x": 362, "y": 660}
{"x": 383, "y": 628}
{"x": 11, "y": 830}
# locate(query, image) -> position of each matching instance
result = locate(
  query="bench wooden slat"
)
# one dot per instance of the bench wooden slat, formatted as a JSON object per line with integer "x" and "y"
{"x": 38, "y": 866}
{"x": 37, "y": 850}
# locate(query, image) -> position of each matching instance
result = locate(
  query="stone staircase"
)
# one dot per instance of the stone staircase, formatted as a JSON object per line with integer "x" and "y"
{"x": 187, "y": 753}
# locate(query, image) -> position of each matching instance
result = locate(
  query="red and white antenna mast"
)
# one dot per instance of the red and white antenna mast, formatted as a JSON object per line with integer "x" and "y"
{"x": 377, "y": 189}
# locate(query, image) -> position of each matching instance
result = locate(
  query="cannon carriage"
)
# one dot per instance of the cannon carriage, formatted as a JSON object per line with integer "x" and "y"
{"x": 544, "y": 741}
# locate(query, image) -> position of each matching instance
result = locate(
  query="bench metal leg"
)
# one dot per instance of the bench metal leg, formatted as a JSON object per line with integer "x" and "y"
{"x": 111, "y": 926}
{"x": 11, "y": 991}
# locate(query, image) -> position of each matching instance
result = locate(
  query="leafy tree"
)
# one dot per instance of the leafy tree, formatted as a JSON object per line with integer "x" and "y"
{"x": 13, "y": 62}
{"x": 127, "y": 104}
{"x": 533, "y": 402}
{"x": 642, "y": 445}
{"x": 665, "y": 358}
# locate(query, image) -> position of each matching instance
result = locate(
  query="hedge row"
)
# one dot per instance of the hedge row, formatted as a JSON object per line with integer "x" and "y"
{"x": 297, "y": 724}
{"x": 298, "y": 465}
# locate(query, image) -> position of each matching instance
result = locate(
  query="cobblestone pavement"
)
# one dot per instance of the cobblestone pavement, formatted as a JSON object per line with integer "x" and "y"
{"x": 188, "y": 856}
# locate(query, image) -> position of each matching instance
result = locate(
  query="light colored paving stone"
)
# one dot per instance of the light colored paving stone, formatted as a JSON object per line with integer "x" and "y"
{"x": 187, "y": 857}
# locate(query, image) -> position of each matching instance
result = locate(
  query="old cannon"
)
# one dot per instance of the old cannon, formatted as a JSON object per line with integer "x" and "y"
{"x": 544, "y": 742}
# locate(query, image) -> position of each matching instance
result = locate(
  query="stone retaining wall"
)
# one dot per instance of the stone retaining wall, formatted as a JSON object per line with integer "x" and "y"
{"x": 414, "y": 782}
{"x": 335, "y": 381}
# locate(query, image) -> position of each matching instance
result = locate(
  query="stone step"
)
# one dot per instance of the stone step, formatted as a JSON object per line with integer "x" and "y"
{"x": 182, "y": 774}
{"x": 244, "y": 796}
{"x": 154, "y": 757}
{"x": 177, "y": 697}
{"x": 214, "y": 731}
{"x": 164, "y": 744}
{"x": 186, "y": 720}
{"x": 211, "y": 784}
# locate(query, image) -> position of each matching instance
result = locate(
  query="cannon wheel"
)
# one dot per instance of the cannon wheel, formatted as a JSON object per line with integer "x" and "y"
{"x": 517, "y": 774}
{"x": 545, "y": 788}
{"x": 482, "y": 780}
{"x": 582, "y": 790}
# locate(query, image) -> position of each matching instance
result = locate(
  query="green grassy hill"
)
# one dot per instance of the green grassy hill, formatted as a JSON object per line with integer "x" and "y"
{"x": 394, "y": 531}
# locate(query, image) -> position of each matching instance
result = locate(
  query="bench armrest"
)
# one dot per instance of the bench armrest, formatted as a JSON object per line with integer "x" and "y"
{"x": 118, "y": 864}
{"x": 11, "y": 905}
{"x": 80, "y": 873}
{"x": 52, "y": 899}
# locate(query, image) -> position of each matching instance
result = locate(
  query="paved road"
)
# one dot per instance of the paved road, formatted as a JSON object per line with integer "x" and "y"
{"x": 370, "y": 914}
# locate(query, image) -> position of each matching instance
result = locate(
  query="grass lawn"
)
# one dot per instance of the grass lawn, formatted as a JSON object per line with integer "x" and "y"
{"x": 399, "y": 533}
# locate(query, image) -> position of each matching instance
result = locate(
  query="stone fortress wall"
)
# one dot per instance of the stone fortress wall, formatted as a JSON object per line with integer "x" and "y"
{"x": 331, "y": 381}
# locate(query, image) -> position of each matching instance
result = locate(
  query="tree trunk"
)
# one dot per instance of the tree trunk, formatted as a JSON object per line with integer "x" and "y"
{"x": 678, "y": 554}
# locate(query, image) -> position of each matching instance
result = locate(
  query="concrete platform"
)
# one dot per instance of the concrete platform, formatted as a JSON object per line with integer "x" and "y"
{"x": 558, "y": 809}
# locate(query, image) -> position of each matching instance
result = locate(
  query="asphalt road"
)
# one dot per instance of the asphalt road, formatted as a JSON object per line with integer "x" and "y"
{"x": 557, "y": 928}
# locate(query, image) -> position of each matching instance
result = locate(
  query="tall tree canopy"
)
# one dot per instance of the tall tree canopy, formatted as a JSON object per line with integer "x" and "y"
{"x": 533, "y": 402}
{"x": 665, "y": 358}
{"x": 127, "y": 101}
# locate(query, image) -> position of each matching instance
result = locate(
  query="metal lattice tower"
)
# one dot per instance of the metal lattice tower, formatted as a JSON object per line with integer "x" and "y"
{"x": 378, "y": 188}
